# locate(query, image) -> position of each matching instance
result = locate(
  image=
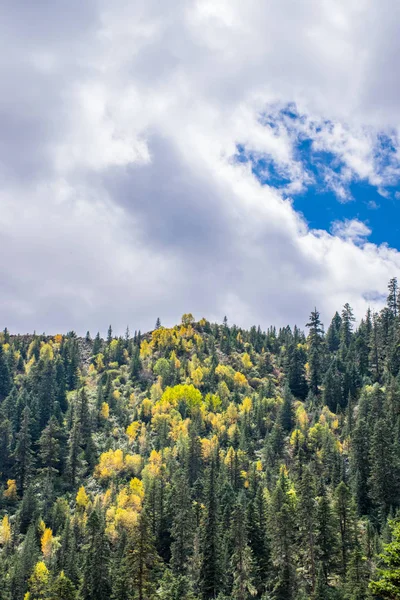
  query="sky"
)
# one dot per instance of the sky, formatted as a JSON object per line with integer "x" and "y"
{"x": 218, "y": 157}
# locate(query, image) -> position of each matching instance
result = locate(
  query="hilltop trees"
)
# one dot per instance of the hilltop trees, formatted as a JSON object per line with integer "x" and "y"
{"x": 202, "y": 461}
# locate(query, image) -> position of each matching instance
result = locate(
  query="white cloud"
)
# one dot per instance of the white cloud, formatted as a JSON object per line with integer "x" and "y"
{"x": 121, "y": 200}
{"x": 351, "y": 229}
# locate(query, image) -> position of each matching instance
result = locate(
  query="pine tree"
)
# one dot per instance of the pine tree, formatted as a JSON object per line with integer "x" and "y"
{"x": 326, "y": 536}
{"x": 182, "y": 529}
{"x": 286, "y": 412}
{"x": 307, "y": 513}
{"x": 384, "y": 480}
{"x": 242, "y": 563}
{"x": 315, "y": 344}
{"x": 258, "y": 537}
{"x": 345, "y": 512}
{"x": 210, "y": 566}
{"x": 62, "y": 588}
{"x": 387, "y": 583}
{"x": 393, "y": 299}
{"x": 282, "y": 532}
{"x": 95, "y": 581}
{"x": 23, "y": 452}
{"x": 5, "y": 377}
{"x": 143, "y": 562}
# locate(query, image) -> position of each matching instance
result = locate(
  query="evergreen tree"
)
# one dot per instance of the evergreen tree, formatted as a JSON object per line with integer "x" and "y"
{"x": 210, "y": 566}
{"x": 23, "y": 454}
{"x": 315, "y": 343}
{"x": 282, "y": 532}
{"x": 5, "y": 377}
{"x": 143, "y": 562}
{"x": 387, "y": 582}
{"x": 96, "y": 581}
{"x": 242, "y": 563}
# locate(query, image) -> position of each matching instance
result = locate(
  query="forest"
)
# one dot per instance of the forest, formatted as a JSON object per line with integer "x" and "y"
{"x": 203, "y": 461}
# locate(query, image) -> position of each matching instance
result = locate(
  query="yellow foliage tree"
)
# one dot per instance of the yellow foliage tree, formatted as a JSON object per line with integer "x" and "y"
{"x": 82, "y": 499}
{"x": 5, "y": 531}
{"x": 240, "y": 379}
{"x": 11, "y": 492}
{"x": 132, "y": 431}
{"x": 246, "y": 361}
{"x": 39, "y": 581}
{"x": 46, "y": 543}
{"x": 105, "y": 411}
{"x": 46, "y": 352}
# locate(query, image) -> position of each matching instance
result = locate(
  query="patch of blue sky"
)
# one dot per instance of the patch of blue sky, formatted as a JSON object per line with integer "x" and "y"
{"x": 377, "y": 206}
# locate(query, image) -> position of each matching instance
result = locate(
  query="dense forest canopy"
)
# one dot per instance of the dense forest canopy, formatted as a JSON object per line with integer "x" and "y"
{"x": 203, "y": 461}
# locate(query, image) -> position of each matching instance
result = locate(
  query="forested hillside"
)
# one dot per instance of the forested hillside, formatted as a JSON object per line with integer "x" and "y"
{"x": 203, "y": 461}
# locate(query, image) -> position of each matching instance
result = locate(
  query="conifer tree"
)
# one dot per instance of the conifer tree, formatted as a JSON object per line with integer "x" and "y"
{"x": 5, "y": 377}
{"x": 23, "y": 451}
{"x": 210, "y": 566}
{"x": 387, "y": 581}
{"x": 95, "y": 581}
{"x": 143, "y": 562}
{"x": 315, "y": 342}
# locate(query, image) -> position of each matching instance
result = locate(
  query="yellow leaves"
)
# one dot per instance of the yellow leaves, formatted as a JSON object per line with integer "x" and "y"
{"x": 217, "y": 422}
{"x": 259, "y": 466}
{"x": 145, "y": 349}
{"x": 156, "y": 391}
{"x": 203, "y": 322}
{"x": 58, "y": 338}
{"x": 197, "y": 376}
{"x": 113, "y": 462}
{"x": 82, "y": 498}
{"x": 153, "y": 467}
{"x": 213, "y": 402}
{"x": 46, "y": 543}
{"x": 232, "y": 414}
{"x": 30, "y": 364}
{"x": 133, "y": 463}
{"x": 46, "y": 352}
{"x": 126, "y": 518}
{"x": 246, "y": 405}
{"x": 92, "y": 369}
{"x": 225, "y": 372}
{"x": 230, "y": 457}
{"x": 116, "y": 395}
{"x": 208, "y": 447}
{"x": 240, "y": 379}
{"x": 105, "y": 411}
{"x": 132, "y": 431}
{"x": 175, "y": 360}
{"x": 136, "y": 487}
{"x": 39, "y": 577}
{"x": 232, "y": 431}
{"x": 187, "y": 319}
{"x": 301, "y": 416}
{"x": 179, "y": 429}
{"x": 297, "y": 438}
{"x": 147, "y": 407}
{"x": 5, "y": 531}
{"x": 110, "y": 464}
{"x": 11, "y": 492}
{"x": 188, "y": 394}
{"x": 246, "y": 361}
{"x": 99, "y": 362}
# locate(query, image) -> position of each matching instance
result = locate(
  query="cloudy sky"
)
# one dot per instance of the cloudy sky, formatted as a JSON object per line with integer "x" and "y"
{"x": 212, "y": 156}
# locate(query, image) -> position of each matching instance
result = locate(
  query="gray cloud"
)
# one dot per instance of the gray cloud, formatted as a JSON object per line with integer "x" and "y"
{"x": 120, "y": 200}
